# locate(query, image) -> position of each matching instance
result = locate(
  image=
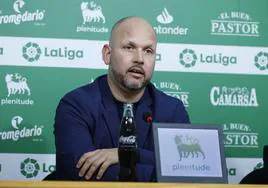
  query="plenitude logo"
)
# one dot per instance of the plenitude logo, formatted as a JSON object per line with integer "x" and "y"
{"x": 233, "y": 96}
{"x": 18, "y": 91}
{"x": 174, "y": 90}
{"x": 188, "y": 58}
{"x": 235, "y": 24}
{"x": 21, "y": 16}
{"x": 239, "y": 135}
{"x": 165, "y": 19}
{"x": 32, "y": 52}
{"x": 21, "y": 131}
{"x": 30, "y": 167}
{"x": 92, "y": 14}
{"x": 261, "y": 61}
{"x": 189, "y": 147}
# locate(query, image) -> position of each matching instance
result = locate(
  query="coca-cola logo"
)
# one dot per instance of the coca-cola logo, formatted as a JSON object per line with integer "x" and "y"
{"x": 127, "y": 139}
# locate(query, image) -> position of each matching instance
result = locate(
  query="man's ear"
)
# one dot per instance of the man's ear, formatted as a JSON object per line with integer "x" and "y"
{"x": 106, "y": 54}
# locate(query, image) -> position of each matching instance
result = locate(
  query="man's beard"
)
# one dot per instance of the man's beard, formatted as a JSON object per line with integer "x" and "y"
{"x": 125, "y": 83}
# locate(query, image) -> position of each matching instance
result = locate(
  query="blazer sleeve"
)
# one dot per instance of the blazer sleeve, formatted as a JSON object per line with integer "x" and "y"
{"x": 73, "y": 129}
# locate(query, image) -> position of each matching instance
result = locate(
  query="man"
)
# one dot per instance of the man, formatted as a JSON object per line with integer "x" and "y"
{"x": 87, "y": 119}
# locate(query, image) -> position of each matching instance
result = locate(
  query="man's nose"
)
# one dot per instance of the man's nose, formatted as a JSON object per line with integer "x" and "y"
{"x": 138, "y": 57}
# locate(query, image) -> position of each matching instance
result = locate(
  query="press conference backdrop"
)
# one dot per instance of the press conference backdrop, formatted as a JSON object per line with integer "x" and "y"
{"x": 213, "y": 55}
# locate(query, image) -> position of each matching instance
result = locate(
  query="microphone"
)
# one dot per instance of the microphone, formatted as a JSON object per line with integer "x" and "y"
{"x": 148, "y": 118}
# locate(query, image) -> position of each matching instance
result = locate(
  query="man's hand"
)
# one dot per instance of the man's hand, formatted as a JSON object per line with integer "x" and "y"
{"x": 100, "y": 158}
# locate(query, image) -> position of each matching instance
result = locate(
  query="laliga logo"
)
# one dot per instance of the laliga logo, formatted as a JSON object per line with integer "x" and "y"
{"x": 18, "y": 5}
{"x": 16, "y": 120}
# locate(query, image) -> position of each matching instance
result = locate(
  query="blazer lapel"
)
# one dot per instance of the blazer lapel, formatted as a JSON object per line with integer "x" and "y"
{"x": 109, "y": 111}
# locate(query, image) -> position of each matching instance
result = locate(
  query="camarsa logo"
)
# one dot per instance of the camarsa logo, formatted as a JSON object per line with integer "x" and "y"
{"x": 174, "y": 90}
{"x": 233, "y": 96}
{"x": 235, "y": 24}
{"x": 21, "y": 15}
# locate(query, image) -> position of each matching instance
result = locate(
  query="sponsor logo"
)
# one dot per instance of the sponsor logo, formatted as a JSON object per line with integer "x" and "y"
{"x": 235, "y": 24}
{"x": 20, "y": 131}
{"x": 259, "y": 166}
{"x": 166, "y": 19}
{"x": 32, "y": 52}
{"x": 174, "y": 90}
{"x": 18, "y": 90}
{"x": 232, "y": 171}
{"x": 233, "y": 96}
{"x": 261, "y": 61}
{"x": 188, "y": 146}
{"x": 188, "y": 58}
{"x": 158, "y": 57}
{"x": 1, "y": 51}
{"x": 92, "y": 14}
{"x": 127, "y": 139}
{"x": 21, "y": 15}
{"x": 239, "y": 135}
{"x": 30, "y": 168}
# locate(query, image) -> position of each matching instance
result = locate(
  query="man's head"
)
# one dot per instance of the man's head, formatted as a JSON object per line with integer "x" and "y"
{"x": 130, "y": 54}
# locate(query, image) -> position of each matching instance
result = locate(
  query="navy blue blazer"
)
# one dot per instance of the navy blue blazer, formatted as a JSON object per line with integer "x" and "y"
{"x": 87, "y": 119}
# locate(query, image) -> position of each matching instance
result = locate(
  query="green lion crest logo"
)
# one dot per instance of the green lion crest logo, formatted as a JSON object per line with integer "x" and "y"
{"x": 29, "y": 168}
{"x": 188, "y": 148}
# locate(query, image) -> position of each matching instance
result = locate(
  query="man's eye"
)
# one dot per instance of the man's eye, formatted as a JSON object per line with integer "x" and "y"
{"x": 148, "y": 51}
{"x": 128, "y": 47}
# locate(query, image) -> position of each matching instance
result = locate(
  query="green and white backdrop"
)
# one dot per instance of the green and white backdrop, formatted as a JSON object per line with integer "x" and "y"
{"x": 213, "y": 55}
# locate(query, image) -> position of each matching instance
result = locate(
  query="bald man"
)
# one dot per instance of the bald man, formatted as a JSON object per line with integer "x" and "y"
{"x": 88, "y": 118}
